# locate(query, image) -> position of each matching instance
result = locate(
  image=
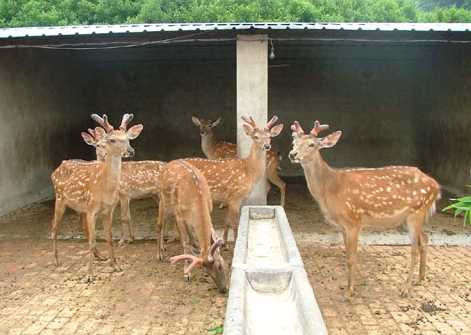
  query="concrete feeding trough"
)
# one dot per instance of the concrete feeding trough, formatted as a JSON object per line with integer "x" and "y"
{"x": 269, "y": 292}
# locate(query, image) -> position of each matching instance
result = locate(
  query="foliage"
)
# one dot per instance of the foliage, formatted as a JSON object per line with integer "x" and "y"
{"x": 15, "y": 13}
{"x": 217, "y": 330}
{"x": 461, "y": 206}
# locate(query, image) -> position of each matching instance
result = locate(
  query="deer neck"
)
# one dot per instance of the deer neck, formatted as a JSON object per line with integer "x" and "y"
{"x": 111, "y": 173}
{"x": 318, "y": 176}
{"x": 255, "y": 162}
{"x": 208, "y": 142}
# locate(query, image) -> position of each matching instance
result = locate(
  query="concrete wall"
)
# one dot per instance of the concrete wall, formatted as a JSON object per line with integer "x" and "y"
{"x": 40, "y": 116}
{"x": 395, "y": 104}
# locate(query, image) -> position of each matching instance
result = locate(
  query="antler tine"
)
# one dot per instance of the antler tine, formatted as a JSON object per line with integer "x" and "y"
{"x": 216, "y": 245}
{"x": 296, "y": 127}
{"x": 91, "y": 132}
{"x": 318, "y": 128}
{"x": 272, "y": 121}
{"x": 127, "y": 118}
{"x": 249, "y": 120}
{"x": 102, "y": 121}
{"x": 195, "y": 261}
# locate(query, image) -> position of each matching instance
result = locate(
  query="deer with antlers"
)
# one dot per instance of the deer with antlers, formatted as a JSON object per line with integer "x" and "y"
{"x": 185, "y": 192}
{"x": 93, "y": 189}
{"x": 231, "y": 180}
{"x": 139, "y": 179}
{"x": 352, "y": 198}
{"x": 214, "y": 148}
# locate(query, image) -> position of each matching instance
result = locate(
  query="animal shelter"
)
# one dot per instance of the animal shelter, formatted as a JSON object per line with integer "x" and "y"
{"x": 400, "y": 93}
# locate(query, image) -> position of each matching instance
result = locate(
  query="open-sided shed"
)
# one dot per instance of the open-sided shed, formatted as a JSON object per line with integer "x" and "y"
{"x": 400, "y": 92}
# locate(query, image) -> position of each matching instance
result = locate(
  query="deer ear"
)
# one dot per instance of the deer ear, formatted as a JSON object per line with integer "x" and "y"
{"x": 134, "y": 131}
{"x": 330, "y": 140}
{"x": 215, "y": 123}
{"x": 196, "y": 121}
{"x": 88, "y": 139}
{"x": 276, "y": 130}
{"x": 248, "y": 129}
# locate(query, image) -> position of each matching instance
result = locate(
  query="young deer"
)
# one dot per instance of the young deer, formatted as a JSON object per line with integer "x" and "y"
{"x": 352, "y": 198}
{"x": 216, "y": 149}
{"x": 185, "y": 192}
{"x": 93, "y": 189}
{"x": 231, "y": 180}
{"x": 139, "y": 179}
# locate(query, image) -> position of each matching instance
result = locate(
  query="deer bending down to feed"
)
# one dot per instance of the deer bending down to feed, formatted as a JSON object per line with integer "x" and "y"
{"x": 216, "y": 149}
{"x": 231, "y": 180}
{"x": 353, "y": 198}
{"x": 93, "y": 189}
{"x": 185, "y": 192}
{"x": 139, "y": 179}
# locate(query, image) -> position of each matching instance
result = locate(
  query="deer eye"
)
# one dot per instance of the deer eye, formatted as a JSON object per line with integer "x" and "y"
{"x": 112, "y": 140}
{"x": 311, "y": 145}
{"x": 256, "y": 137}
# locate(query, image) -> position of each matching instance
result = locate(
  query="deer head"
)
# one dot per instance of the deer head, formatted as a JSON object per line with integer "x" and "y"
{"x": 113, "y": 141}
{"x": 213, "y": 264}
{"x": 93, "y": 139}
{"x": 204, "y": 125}
{"x": 305, "y": 146}
{"x": 261, "y": 137}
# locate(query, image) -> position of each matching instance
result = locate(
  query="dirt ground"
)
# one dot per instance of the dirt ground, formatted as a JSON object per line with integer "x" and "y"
{"x": 442, "y": 305}
{"x": 302, "y": 211}
{"x": 150, "y": 297}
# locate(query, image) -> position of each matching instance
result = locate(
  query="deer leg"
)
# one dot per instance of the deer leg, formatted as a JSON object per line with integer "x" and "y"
{"x": 351, "y": 247}
{"x": 233, "y": 216}
{"x": 423, "y": 255}
{"x": 276, "y": 180}
{"x": 415, "y": 230}
{"x": 356, "y": 270}
{"x": 91, "y": 245}
{"x": 160, "y": 226}
{"x": 126, "y": 221}
{"x": 108, "y": 221}
{"x": 96, "y": 253}
{"x": 58, "y": 214}
{"x": 186, "y": 243}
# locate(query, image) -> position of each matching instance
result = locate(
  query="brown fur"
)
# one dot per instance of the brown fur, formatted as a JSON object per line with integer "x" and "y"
{"x": 232, "y": 180}
{"x": 185, "y": 192}
{"x": 93, "y": 188}
{"x": 217, "y": 149}
{"x": 352, "y": 198}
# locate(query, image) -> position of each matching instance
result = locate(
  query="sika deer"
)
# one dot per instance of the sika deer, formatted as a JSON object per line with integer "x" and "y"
{"x": 380, "y": 197}
{"x": 216, "y": 149}
{"x": 94, "y": 188}
{"x": 231, "y": 180}
{"x": 185, "y": 192}
{"x": 139, "y": 179}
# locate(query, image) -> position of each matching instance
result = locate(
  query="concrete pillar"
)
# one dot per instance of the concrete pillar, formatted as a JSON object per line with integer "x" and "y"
{"x": 252, "y": 97}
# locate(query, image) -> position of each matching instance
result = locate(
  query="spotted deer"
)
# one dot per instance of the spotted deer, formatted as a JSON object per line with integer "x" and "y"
{"x": 185, "y": 193}
{"x": 93, "y": 189}
{"x": 231, "y": 180}
{"x": 139, "y": 179}
{"x": 352, "y": 198}
{"x": 214, "y": 148}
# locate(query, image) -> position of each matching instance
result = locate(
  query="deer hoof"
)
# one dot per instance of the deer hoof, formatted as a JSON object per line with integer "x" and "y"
{"x": 160, "y": 256}
{"x": 89, "y": 279}
{"x": 99, "y": 257}
{"x": 187, "y": 277}
{"x": 116, "y": 268}
{"x": 405, "y": 292}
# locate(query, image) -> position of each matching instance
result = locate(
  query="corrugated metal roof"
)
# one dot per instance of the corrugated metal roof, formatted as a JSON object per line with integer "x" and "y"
{"x": 189, "y": 27}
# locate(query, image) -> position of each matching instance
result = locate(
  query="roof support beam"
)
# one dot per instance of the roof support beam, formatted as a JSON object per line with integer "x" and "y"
{"x": 252, "y": 98}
